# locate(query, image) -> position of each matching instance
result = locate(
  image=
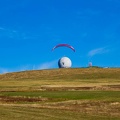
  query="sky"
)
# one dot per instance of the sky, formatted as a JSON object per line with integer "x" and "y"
{"x": 29, "y": 29}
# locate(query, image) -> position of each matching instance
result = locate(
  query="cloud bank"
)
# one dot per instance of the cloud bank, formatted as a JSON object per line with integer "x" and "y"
{"x": 97, "y": 51}
{"x": 45, "y": 65}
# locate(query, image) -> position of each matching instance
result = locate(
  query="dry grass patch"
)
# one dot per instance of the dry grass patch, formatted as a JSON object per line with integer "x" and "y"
{"x": 61, "y": 94}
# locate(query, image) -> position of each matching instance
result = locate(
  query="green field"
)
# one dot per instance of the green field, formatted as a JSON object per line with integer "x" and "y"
{"x": 61, "y": 94}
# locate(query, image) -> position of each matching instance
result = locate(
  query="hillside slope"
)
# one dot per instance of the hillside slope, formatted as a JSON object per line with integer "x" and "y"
{"x": 61, "y": 94}
{"x": 74, "y": 73}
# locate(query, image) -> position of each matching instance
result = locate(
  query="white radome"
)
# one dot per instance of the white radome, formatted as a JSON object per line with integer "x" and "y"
{"x": 64, "y": 62}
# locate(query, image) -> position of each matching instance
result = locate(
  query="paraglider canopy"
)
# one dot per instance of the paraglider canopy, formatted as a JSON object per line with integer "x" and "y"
{"x": 63, "y": 45}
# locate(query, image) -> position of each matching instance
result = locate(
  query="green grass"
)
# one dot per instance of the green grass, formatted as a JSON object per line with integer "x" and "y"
{"x": 69, "y": 95}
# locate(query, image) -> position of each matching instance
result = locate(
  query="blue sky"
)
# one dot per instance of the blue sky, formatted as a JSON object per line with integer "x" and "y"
{"x": 29, "y": 29}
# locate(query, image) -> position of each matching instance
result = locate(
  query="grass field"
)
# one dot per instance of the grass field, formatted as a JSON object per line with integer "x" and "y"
{"x": 61, "y": 94}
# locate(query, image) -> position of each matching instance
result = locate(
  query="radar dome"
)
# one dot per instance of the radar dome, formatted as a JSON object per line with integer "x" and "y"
{"x": 64, "y": 62}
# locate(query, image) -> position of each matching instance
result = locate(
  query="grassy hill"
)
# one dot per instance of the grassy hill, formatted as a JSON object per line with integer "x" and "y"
{"x": 75, "y": 73}
{"x": 61, "y": 94}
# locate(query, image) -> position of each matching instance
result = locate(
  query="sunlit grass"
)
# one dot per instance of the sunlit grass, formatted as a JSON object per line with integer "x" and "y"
{"x": 59, "y": 94}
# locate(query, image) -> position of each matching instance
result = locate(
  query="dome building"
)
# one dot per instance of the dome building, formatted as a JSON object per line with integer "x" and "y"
{"x": 64, "y": 62}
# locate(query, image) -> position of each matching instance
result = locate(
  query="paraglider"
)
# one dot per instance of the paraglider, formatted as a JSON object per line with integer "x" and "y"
{"x": 63, "y": 45}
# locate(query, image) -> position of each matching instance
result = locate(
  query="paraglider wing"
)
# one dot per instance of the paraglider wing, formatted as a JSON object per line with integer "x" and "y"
{"x": 63, "y": 45}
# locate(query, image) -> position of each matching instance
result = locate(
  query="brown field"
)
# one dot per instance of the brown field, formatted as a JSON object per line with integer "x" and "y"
{"x": 61, "y": 94}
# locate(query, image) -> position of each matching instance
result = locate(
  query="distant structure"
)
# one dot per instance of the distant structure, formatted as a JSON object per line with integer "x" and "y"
{"x": 90, "y": 64}
{"x": 64, "y": 62}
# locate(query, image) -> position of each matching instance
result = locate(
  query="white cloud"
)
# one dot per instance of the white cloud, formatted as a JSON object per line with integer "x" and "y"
{"x": 4, "y": 70}
{"x": 87, "y": 13}
{"x": 97, "y": 51}
{"x": 9, "y": 33}
{"x": 47, "y": 65}
{"x": 16, "y": 34}
{"x": 1, "y": 28}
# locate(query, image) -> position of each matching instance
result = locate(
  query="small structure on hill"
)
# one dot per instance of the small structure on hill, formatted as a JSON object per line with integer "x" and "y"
{"x": 90, "y": 64}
